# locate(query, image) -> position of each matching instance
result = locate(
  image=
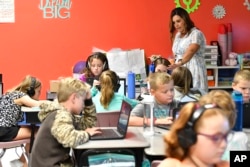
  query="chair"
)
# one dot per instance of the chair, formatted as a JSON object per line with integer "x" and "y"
{"x": 155, "y": 163}
{"x": 107, "y": 119}
{"x": 14, "y": 144}
{"x": 108, "y": 157}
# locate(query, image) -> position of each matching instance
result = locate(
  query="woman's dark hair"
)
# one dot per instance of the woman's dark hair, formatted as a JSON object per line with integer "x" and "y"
{"x": 184, "y": 15}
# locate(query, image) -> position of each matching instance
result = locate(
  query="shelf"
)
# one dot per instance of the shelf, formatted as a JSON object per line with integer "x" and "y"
{"x": 223, "y": 76}
{"x": 223, "y": 67}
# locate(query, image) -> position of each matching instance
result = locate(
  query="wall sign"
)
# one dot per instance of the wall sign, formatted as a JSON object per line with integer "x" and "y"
{"x": 189, "y": 5}
{"x": 55, "y": 8}
{"x": 247, "y": 4}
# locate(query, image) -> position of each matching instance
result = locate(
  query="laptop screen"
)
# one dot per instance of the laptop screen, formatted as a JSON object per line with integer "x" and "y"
{"x": 124, "y": 117}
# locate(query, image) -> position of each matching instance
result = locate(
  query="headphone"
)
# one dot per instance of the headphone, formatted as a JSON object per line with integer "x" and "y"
{"x": 187, "y": 136}
{"x": 116, "y": 83}
{"x": 98, "y": 55}
{"x": 31, "y": 90}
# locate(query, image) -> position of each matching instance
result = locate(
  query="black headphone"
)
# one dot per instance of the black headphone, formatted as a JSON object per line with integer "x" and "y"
{"x": 116, "y": 83}
{"x": 31, "y": 90}
{"x": 187, "y": 136}
{"x": 98, "y": 55}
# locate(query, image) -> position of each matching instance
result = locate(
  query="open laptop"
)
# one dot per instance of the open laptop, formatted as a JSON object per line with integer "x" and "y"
{"x": 120, "y": 131}
{"x": 246, "y": 115}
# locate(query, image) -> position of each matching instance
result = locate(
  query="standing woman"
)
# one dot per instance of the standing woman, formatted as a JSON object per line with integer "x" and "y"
{"x": 188, "y": 47}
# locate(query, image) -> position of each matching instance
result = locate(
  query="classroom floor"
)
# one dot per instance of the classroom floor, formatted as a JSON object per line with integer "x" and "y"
{"x": 11, "y": 158}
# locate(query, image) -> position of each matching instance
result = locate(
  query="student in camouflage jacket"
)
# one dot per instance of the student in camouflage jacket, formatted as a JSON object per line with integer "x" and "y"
{"x": 66, "y": 123}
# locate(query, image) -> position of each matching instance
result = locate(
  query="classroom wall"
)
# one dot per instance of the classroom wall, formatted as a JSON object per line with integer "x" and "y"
{"x": 48, "y": 48}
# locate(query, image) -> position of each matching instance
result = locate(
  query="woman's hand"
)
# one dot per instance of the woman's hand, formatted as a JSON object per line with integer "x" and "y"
{"x": 175, "y": 65}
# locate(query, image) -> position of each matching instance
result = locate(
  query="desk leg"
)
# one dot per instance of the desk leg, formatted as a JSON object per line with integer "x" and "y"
{"x": 33, "y": 128}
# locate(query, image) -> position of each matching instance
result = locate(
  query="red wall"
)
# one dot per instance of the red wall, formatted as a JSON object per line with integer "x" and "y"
{"x": 48, "y": 48}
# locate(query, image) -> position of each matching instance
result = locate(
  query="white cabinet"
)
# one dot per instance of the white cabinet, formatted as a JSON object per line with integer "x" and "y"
{"x": 221, "y": 77}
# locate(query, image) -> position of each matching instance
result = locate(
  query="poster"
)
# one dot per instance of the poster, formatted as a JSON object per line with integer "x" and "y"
{"x": 7, "y": 11}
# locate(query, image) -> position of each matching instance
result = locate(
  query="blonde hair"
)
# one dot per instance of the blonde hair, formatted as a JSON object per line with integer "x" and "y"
{"x": 158, "y": 78}
{"x": 108, "y": 82}
{"x": 241, "y": 75}
{"x": 70, "y": 85}
{"x": 26, "y": 84}
{"x": 223, "y": 100}
{"x": 182, "y": 77}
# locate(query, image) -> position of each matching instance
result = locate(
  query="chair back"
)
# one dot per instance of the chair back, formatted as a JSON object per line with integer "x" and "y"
{"x": 107, "y": 119}
{"x": 155, "y": 163}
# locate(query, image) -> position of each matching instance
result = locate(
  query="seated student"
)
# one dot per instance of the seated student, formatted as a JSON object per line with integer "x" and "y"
{"x": 62, "y": 128}
{"x": 241, "y": 83}
{"x": 108, "y": 98}
{"x": 183, "y": 86}
{"x": 160, "y": 64}
{"x": 198, "y": 137}
{"x": 95, "y": 65}
{"x": 162, "y": 89}
{"x": 223, "y": 100}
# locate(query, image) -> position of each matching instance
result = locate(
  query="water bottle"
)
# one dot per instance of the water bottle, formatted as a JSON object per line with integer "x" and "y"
{"x": 151, "y": 68}
{"x": 131, "y": 85}
{"x": 238, "y": 99}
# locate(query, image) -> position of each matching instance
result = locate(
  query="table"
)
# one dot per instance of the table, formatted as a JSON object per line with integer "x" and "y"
{"x": 31, "y": 119}
{"x": 157, "y": 148}
{"x": 133, "y": 141}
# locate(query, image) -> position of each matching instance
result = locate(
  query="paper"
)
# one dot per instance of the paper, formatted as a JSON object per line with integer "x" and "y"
{"x": 7, "y": 13}
{"x": 124, "y": 61}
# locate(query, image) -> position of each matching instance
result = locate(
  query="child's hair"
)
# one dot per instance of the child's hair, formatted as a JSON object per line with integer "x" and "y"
{"x": 161, "y": 60}
{"x": 241, "y": 75}
{"x": 223, "y": 100}
{"x": 96, "y": 55}
{"x": 70, "y": 85}
{"x": 183, "y": 79}
{"x": 183, "y": 132}
{"x": 158, "y": 60}
{"x": 28, "y": 84}
{"x": 110, "y": 83}
{"x": 158, "y": 78}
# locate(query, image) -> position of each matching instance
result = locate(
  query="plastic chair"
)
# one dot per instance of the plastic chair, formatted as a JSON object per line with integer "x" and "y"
{"x": 107, "y": 119}
{"x": 155, "y": 163}
{"x": 14, "y": 144}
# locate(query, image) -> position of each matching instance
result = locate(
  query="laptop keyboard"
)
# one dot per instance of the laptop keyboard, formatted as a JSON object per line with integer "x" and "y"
{"x": 106, "y": 133}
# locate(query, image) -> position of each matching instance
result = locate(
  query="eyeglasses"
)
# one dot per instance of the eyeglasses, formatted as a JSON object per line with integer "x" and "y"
{"x": 217, "y": 138}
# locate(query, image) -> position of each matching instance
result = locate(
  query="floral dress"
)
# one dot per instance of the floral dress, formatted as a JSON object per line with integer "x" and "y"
{"x": 197, "y": 64}
{"x": 10, "y": 112}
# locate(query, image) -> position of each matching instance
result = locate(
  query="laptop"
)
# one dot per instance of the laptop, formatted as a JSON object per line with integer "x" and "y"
{"x": 176, "y": 112}
{"x": 90, "y": 80}
{"x": 120, "y": 131}
{"x": 246, "y": 115}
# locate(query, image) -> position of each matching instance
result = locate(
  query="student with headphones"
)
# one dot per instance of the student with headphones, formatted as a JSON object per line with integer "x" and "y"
{"x": 108, "y": 98}
{"x": 199, "y": 136}
{"x": 26, "y": 93}
{"x": 96, "y": 63}
{"x": 224, "y": 100}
